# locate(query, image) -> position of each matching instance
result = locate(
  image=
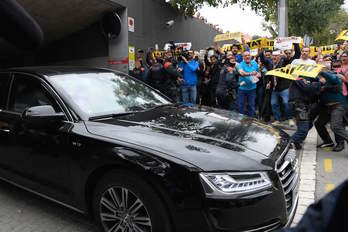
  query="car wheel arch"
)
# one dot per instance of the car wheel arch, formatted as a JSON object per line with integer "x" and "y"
{"x": 100, "y": 172}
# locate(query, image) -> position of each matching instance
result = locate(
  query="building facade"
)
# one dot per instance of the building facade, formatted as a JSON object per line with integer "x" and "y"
{"x": 74, "y": 36}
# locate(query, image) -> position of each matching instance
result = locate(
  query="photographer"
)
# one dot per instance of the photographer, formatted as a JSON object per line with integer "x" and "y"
{"x": 227, "y": 88}
{"x": 189, "y": 67}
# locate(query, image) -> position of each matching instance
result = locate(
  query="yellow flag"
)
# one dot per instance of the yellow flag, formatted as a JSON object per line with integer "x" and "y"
{"x": 343, "y": 35}
{"x": 291, "y": 71}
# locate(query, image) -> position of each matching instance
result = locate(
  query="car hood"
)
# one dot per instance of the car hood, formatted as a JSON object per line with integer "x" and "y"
{"x": 210, "y": 139}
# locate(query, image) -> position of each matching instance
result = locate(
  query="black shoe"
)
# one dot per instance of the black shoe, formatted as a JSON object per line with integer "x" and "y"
{"x": 296, "y": 146}
{"x": 324, "y": 144}
{"x": 338, "y": 148}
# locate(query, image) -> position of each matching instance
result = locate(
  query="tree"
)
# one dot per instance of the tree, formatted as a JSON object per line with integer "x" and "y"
{"x": 320, "y": 19}
{"x": 311, "y": 17}
{"x": 189, "y": 7}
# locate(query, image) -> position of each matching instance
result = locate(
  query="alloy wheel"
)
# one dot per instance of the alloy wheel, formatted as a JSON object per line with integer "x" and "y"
{"x": 122, "y": 211}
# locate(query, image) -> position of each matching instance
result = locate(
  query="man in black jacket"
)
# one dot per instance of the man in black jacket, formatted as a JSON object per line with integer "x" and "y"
{"x": 171, "y": 79}
{"x": 302, "y": 91}
{"x": 156, "y": 75}
{"x": 214, "y": 76}
{"x": 228, "y": 85}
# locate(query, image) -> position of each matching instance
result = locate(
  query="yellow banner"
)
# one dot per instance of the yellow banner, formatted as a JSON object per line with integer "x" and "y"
{"x": 257, "y": 43}
{"x": 343, "y": 35}
{"x": 158, "y": 54}
{"x": 325, "y": 50}
{"x": 229, "y": 36}
{"x": 253, "y": 45}
{"x": 291, "y": 71}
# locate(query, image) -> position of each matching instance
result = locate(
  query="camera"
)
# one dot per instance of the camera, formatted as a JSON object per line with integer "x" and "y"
{"x": 170, "y": 23}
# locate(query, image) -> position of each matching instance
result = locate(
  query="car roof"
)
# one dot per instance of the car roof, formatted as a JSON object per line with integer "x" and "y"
{"x": 57, "y": 70}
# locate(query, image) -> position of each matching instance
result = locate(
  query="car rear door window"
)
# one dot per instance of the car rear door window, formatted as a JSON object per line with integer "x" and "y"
{"x": 4, "y": 87}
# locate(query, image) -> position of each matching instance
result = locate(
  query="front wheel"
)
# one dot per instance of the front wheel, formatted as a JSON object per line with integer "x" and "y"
{"x": 124, "y": 203}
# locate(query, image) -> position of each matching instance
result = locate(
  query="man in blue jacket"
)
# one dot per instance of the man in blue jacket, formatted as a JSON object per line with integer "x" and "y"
{"x": 248, "y": 70}
{"x": 189, "y": 68}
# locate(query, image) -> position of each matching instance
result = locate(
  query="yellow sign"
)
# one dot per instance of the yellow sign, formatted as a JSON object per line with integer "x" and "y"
{"x": 253, "y": 45}
{"x": 292, "y": 71}
{"x": 131, "y": 57}
{"x": 229, "y": 36}
{"x": 257, "y": 43}
{"x": 343, "y": 35}
{"x": 325, "y": 50}
{"x": 158, "y": 54}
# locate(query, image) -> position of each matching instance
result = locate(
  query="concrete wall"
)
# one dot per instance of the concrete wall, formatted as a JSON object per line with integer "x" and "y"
{"x": 150, "y": 25}
{"x": 83, "y": 45}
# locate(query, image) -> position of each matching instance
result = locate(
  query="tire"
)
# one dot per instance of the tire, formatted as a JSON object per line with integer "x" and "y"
{"x": 143, "y": 211}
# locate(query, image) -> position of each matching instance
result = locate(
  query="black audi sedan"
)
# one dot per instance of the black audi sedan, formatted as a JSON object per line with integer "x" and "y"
{"x": 109, "y": 146}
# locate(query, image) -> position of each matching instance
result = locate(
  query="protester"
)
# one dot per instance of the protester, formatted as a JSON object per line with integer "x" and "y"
{"x": 333, "y": 108}
{"x": 227, "y": 87}
{"x": 214, "y": 76}
{"x": 141, "y": 71}
{"x": 189, "y": 89}
{"x": 248, "y": 70}
{"x": 264, "y": 92}
{"x": 235, "y": 49}
{"x": 280, "y": 87}
{"x": 156, "y": 75}
{"x": 343, "y": 72}
{"x": 202, "y": 89}
{"x": 172, "y": 78}
{"x": 302, "y": 92}
{"x": 305, "y": 57}
{"x": 289, "y": 56}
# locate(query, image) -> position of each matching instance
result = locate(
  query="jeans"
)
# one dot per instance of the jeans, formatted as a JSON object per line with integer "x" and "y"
{"x": 302, "y": 131}
{"x": 227, "y": 102}
{"x": 276, "y": 105}
{"x": 303, "y": 122}
{"x": 334, "y": 115}
{"x": 189, "y": 94}
{"x": 260, "y": 99}
{"x": 249, "y": 96}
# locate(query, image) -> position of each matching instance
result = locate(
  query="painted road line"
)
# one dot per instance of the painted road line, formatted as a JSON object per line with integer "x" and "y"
{"x": 329, "y": 187}
{"x": 328, "y": 165}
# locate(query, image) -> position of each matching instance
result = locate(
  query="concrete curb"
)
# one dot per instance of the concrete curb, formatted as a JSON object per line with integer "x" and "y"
{"x": 308, "y": 159}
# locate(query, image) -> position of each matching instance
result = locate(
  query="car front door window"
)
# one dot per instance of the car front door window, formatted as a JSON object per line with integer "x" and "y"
{"x": 28, "y": 92}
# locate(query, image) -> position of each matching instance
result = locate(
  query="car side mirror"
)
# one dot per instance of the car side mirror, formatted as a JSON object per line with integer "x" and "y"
{"x": 42, "y": 114}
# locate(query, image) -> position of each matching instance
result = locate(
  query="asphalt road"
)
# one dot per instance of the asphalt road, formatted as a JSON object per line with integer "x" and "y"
{"x": 21, "y": 211}
{"x": 332, "y": 169}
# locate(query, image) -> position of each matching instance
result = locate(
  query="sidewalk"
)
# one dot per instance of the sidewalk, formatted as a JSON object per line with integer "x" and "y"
{"x": 308, "y": 162}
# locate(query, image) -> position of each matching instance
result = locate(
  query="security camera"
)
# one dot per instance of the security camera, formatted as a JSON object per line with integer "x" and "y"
{"x": 170, "y": 23}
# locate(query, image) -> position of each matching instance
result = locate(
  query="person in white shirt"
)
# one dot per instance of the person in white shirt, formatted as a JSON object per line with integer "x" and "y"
{"x": 305, "y": 57}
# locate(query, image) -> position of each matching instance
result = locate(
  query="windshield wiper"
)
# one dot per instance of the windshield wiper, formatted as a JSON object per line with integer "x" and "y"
{"x": 110, "y": 115}
{"x": 160, "y": 106}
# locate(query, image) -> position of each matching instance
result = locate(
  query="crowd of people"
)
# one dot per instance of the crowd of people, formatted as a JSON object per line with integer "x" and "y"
{"x": 236, "y": 80}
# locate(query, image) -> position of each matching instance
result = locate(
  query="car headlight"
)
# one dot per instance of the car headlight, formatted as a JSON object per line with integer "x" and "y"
{"x": 230, "y": 185}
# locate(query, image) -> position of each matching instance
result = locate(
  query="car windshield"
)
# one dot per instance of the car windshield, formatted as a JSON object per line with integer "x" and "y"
{"x": 98, "y": 94}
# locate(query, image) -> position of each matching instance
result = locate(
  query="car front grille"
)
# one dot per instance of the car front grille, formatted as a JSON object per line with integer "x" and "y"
{"x": 287, "y": 169}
